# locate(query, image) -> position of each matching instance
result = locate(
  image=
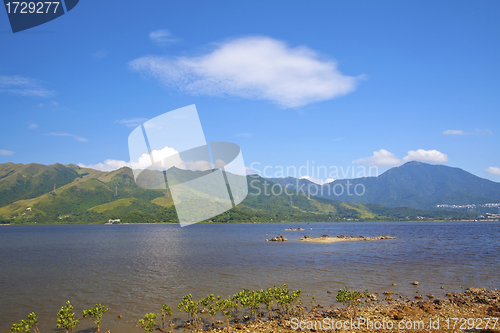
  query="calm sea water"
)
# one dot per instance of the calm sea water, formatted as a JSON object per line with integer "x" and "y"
{"x": 134, "y": 268}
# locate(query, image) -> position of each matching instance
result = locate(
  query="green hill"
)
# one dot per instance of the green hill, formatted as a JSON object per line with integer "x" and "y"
{"x": 90, "y": 196}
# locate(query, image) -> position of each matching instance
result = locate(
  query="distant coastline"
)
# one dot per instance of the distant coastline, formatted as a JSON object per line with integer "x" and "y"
{"x": 245, "y": 222}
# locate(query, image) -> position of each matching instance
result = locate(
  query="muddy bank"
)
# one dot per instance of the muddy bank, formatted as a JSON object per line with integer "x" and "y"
{"x": 342, "y": 238}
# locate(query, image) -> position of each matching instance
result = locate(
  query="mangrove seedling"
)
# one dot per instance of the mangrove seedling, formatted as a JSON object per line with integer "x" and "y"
{"x": 96, "y": 314}
{"x": 351, "y": 298}
{"x": 26, "y": 325}
{"x": 148, "y": 323}
{"x": 253, "y": 301}
{"x": 66, "y": 318}
{"x": 240, "y": 299}
{"x": 166, "y": 310}
{"x": 266, "y": 297}
{"x": 210, "y": 303}
{"x": 189, "y": 306}
{"x": 227, "y": 306}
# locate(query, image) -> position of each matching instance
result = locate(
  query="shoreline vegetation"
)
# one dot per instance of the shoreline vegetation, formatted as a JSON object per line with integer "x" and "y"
{"x": 279, "y": 309}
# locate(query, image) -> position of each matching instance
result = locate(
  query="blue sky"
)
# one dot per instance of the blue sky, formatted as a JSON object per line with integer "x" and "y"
{"x": 339, "y": 84}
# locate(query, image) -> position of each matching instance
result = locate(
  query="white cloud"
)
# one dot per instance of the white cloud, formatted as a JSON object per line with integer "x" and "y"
{"x": 476, "y": 132}
{"x": 108, "y": 165}
{"x": 493, "y": 170}
{"x": 484, "y": 132}
{"x": 317, "y": 180}
{"x": 162, "y": 37}
{"x": 253, "y": 67}
{"x": 455, "y": 132}
{"x": 4, "y": 152}
{"x": 101, "y": 54}
{"x": 432, "y": 156}
{"x": 169, "y": 157}
{"x": 386, "y": 158}
{"x": 76, "y": 137}
{"x": 380, "y": 158}
{"x": 23, "y": 86}
{"x": 32, "y": 126}
{"x": 244, "y": 135}
{"x": 132, "y": 122}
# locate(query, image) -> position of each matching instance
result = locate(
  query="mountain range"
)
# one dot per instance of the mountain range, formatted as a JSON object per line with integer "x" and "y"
{"x": 70, "y": 194}
{"x": 413, "y": 184}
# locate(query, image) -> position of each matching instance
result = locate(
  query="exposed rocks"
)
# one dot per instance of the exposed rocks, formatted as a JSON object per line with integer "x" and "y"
{"x": 292, "y": 229}
{"x": 279, "y": 238}
{"x": 416, "y": 283}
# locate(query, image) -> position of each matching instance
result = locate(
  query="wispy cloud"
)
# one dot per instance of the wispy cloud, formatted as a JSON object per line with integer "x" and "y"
{"x": 244, "y": 135}
{"x": 337, "y": 139}
{"x": 455, "y": 132}
{"x": 76, "y": 137}
{"x": 54, "y": 106}
{"x": 108, "y": 165}
{"x": 162, "y": 37}
{"x": 101, "y": 54}
{"x": 253, "y": 67}
{"x": 32, "y": 126}
{"x": 461, "y": 132}
{"x": 4, "y": 152}
{"x": 493, "y": 171}
{"x": 132, "y": 122}
{"x": 23, "y": 86}
{"x": 386, "y": 158}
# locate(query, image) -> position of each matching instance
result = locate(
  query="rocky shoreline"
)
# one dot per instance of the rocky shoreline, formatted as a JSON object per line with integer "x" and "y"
{"x": 342, "y": 238}
{"x": 475, "y": 310}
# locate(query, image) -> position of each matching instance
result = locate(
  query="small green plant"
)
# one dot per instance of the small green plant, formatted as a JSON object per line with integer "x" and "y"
{"x": 166, "y": 310}
{"x": 189, "y": 306}
{"x": 210, "y": 303}
{"x": 26, "y": 325}
{"x": 240, "y": 298}
{"x": 266, "y": 297}
{"x": 226, "y": 306}
{"x": 254, "y": 301}
{"x": 96, "y": 314}
{"x": 18, "y": 327}
{"x": 288, "y": 301}
{"x": 66, "y": 318}
{"x": 148, "y": 323}
{"x": 351, "y": 298}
